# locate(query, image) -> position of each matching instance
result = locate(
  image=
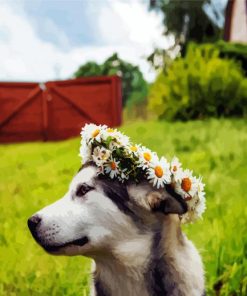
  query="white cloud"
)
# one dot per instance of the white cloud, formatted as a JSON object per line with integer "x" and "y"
{"x": 55, "y": 33}
{"x": 128, "y": 29}
{"x": 131, "y": 23}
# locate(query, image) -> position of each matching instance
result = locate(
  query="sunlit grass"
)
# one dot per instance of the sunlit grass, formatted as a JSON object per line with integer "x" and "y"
{"x": 33, "y": 175}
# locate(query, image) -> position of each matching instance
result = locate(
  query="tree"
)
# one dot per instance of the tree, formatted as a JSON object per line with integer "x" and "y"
{"x": 88, "y": 69}
{"x": 187, "y": 20}
{"x": 133, "y": 81}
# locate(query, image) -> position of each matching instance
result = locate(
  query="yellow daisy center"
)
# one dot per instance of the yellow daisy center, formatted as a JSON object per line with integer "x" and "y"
{"x": 133, "y": 148}
{"x": 95, "y": 133}
{"x": 113, "y": 165}
{"x": 186, "y": 184}
{"x": 147, "y": 156}
{"x": 103, "y": 155}
{"x": 158, "y": 171}
{"x": 174, "y": 168}
{"x": 110, "y": 130}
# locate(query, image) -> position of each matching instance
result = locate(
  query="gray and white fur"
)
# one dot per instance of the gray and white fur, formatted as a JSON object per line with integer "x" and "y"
{"x": 132, "y": 233}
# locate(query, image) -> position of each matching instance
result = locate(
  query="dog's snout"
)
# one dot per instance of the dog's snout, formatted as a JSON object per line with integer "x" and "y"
{"x": 33, "y": 223}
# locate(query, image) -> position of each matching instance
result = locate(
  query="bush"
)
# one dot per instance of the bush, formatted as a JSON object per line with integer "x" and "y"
{"x": 236, "y": 51}
{"x": 136, "y": 107}
{"x": 199, "y": 85}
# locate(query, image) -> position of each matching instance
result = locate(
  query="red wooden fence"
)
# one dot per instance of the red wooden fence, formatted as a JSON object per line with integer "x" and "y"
{"x": 57, "y": 110}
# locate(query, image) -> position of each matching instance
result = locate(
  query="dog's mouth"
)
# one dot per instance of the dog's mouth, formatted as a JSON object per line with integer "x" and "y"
{"x": 78, "y": 242}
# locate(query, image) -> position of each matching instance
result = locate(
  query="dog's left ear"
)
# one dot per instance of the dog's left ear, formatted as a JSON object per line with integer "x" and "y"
{"x": 167, "y": 203}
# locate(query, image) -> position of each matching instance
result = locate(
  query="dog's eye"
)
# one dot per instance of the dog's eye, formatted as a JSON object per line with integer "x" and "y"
{"x": 83, "y": 189}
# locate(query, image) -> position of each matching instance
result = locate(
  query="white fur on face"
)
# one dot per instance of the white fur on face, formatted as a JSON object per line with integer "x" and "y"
{"x": 93, "y": 216}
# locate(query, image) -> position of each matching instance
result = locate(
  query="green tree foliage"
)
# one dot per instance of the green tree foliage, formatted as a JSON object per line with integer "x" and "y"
{"x": 199, "y": 85}
{"x": 134, "y": 85}
{"x": 187, "y": 21}
{"x": 88, "y": 69}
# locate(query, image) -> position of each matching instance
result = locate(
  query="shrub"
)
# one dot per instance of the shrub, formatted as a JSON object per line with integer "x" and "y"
{"x": 199, "y": 85}
{"x": 236, "y": 51}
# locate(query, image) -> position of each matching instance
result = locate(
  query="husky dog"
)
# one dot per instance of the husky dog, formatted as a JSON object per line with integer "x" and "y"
{"x": 132, "y": 232}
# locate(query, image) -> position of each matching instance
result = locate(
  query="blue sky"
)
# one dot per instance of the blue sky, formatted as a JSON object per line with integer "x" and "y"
{"x": 48, "y": 39}
{"x": 74, "y": 20}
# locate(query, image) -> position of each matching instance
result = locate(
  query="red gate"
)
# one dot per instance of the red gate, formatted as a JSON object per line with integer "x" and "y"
{"x": 57, "y": 110}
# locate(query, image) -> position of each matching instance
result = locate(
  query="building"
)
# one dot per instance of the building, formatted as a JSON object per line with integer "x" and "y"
{"x": 236, "y": 21}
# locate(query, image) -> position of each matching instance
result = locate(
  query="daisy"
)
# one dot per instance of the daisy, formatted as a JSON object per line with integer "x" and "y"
{"x": 176, "y": 169}
{"x": 200, "y": 207}
{"x": 200, "y": 188}
{"x": 133, "y": 150}
{"x": 100, "y": 155}
{"x": 119, "y": 140}
{"x": 187, "y": 186}
{"x": 114, "y": 144}
{"x": 192, "y": 190}
{"x": 92, "y": 132}
{"x": 112, "y": 167}
{"x": 159, "y": 174}
{"x": 146, "y": 157}
{"x": 122, "y": 139}
{"x": 192, "y": 202}
{"x": 85, "y": 152}
{"x": 196, "y": 207}
{"x": 108, "y": 132}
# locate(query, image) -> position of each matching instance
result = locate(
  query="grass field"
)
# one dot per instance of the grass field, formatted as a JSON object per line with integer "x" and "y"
{"x": 33, "y": 175}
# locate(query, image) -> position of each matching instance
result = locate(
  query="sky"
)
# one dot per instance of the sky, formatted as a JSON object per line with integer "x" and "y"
{"x": 44, "y": 40}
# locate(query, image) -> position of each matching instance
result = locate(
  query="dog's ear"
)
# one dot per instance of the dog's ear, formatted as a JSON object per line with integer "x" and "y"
{"x": 166, "y": 202}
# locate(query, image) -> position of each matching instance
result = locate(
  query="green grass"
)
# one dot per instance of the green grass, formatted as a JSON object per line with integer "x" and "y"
{"x": 33, "y": 175}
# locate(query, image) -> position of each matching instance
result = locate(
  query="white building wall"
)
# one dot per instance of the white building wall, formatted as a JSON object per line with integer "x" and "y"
{"x": 238, "y": 32}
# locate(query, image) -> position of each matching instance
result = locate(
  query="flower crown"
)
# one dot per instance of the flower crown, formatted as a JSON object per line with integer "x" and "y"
{"x": 115, "y": 156}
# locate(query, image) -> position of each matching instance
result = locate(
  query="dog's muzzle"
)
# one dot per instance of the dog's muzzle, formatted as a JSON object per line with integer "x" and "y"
{"x": 33, "y": 224}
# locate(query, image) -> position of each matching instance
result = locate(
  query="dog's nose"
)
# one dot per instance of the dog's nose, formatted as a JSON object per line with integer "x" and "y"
{"x": 33, "y": 223}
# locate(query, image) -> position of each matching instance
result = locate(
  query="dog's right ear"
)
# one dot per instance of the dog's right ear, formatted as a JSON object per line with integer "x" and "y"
{"x": 163, "y": 200}
{"x": 166, "y": 203}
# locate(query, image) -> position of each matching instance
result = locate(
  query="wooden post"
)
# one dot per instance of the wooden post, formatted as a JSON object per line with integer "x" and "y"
{"x": 44, "y": 111}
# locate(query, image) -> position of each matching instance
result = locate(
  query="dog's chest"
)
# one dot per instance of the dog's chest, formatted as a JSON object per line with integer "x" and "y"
{"x": 120, "y": 288}
{"x": 117, "y": 282}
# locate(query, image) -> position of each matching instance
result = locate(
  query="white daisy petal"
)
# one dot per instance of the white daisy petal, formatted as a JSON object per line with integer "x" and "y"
{"x": 85, "y": 153}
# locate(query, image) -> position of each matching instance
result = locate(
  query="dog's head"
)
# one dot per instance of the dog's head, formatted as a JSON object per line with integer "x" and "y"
{"x": 97, "y": 214}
